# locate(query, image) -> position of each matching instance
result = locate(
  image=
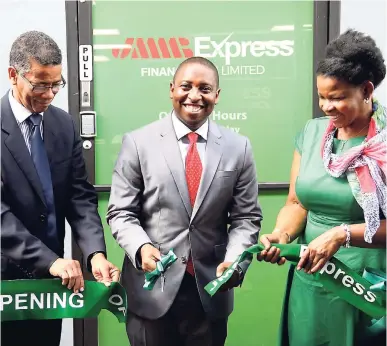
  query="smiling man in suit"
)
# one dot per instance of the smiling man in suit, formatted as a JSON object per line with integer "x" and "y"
{"x": 43, "y": 182}
{"x": 187, "y": 184}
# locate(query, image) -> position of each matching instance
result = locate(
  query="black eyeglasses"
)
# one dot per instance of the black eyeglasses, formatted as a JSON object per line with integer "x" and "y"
{"x": 41, "y": 89}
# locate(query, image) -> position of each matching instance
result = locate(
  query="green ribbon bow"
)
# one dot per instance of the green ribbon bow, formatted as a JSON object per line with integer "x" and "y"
{"x": 48, "y": 299}
{"x": 366, "y": 293}
{"x": 161, "y": 267}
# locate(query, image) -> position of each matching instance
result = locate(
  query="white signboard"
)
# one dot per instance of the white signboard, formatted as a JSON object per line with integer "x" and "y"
{"x": 86, "y": 63}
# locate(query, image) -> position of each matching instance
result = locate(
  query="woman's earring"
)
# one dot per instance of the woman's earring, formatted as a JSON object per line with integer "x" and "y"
{"x": 367, "y": 100}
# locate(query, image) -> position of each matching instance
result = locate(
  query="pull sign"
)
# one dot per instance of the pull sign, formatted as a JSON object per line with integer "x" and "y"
{"x": 88, "y": 124}
{"x": 86, "y": 63}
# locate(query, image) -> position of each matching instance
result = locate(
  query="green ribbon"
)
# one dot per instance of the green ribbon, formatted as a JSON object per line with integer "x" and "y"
{"x": 48, "y": 299}
{"x": 161, "y": 267}
{"x": 378, "y": 280}
{"x": 366, "y": 293}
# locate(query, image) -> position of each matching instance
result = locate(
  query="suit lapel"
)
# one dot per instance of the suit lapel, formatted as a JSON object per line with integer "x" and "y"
{"x": 172, "y": 155}
{"x": 213, "y": 156}
{"x": 14, "y": 142}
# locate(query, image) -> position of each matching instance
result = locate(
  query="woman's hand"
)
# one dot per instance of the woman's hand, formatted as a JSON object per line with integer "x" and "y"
{"x": 321, "y": 249}
{"x": 271, "y": 253}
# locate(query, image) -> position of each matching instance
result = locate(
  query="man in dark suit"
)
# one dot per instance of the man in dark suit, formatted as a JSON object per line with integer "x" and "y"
{"x": 187, "y": 184}
{"x": 43, "y": 182}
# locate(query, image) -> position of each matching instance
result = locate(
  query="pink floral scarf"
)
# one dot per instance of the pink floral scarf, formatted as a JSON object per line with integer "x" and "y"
{"x": 365, "y": 167}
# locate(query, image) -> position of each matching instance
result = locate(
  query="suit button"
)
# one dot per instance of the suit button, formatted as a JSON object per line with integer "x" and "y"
{"x": 191, "y": 228}
{"x": 184, "y": 260}
{"x": 42, "y": 217}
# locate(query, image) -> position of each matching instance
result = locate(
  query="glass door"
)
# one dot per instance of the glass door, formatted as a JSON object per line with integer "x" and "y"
{"x": 264, "y": 52}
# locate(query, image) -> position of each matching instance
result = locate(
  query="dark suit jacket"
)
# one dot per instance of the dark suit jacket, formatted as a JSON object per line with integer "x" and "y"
{"x": 23, "y": 210}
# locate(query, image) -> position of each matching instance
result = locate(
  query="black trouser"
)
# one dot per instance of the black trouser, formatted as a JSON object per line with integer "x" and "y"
{"x": 185, "y": 324}
{"x": 31, "y": 333}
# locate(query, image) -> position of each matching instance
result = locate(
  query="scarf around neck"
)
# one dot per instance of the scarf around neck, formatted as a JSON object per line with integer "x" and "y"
{"x": 365, "y": 167}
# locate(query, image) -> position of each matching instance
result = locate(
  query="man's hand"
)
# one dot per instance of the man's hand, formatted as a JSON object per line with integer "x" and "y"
{"x": 149, "y": 256}
{"x": 70, "y": 272}
{"x": 232, "y": 282}
{"x": 103, "y": 270}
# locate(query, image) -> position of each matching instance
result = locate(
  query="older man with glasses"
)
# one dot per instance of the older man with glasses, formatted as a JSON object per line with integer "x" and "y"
{"x": 41, "y": 87}
{"x": 43, "y": 182}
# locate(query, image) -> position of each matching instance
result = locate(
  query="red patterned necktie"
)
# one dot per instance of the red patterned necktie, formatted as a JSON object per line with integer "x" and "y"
{"x": 193, "y": 174}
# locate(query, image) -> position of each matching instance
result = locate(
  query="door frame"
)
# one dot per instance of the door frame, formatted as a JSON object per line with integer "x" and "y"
{"x": 80, "y": 32}
{"x": 326, "y": 26}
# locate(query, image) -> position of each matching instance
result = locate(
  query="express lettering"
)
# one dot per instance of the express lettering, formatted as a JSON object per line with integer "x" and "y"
{"x": 208, "y": 48}
{"x": 348, "y": 281}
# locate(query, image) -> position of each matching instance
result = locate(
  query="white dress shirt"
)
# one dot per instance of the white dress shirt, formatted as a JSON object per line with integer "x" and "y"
{"x": 22, "y": 114}
{"x": 182, "y": 131}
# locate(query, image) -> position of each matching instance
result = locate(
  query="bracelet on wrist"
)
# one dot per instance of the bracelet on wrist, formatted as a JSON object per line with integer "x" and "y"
{"x": 348, "y": 235}
{"x": 277, "y": 230}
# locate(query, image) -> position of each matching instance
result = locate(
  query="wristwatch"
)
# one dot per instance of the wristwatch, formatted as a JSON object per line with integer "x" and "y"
{"x": 90, "y": 257}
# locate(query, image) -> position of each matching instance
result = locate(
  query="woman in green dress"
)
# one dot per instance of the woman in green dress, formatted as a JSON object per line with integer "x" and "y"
{"x": 337, "y": 196}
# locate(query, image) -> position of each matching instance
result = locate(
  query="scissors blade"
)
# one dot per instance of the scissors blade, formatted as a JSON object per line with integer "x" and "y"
{"x": 162, "y": 282}
{"x": 162, "y": 276}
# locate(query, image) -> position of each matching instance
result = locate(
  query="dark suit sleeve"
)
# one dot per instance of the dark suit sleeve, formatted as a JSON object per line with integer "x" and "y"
{"x": 18, "y": 245}
{"x": 82, "y": 212}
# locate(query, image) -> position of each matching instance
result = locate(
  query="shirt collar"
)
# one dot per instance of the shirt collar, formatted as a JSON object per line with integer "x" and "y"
{"x": 20, "y": 112}
{"x": 182, "y": 130}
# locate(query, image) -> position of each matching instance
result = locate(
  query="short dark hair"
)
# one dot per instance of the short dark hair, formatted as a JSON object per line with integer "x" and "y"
{"x": 354, "y": 58}
{"x": 36, "y": 45}
{"x": 202, "y": 61}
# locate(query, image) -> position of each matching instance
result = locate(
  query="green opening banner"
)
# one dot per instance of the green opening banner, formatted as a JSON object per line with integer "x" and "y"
{"x": 48, "y": 299}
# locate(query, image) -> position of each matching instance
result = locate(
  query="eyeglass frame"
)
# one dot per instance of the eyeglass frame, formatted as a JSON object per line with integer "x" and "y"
{"x": 33, "y": 87}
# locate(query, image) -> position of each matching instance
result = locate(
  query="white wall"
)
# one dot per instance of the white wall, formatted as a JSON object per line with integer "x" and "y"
{"x": 369, "y": 16}
{"x": 19, "y": 16}
{"x": 16, "y": 17}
